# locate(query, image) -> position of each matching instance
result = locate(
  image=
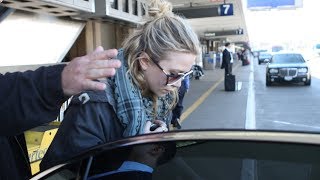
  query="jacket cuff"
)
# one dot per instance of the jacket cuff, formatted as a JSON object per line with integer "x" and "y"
{"x": 54, "y": 84}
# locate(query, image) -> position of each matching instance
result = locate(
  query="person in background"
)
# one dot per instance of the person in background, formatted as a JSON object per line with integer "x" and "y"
{"x": 177, "y": 111}
{"x": 227, "y": 59}
{"x": 197, "y": 71}
{"x": 140, "y": 97}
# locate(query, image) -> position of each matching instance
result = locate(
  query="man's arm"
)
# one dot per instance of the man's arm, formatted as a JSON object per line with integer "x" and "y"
{"x": 32, "y": 98}
{"x": 226, "y": 57}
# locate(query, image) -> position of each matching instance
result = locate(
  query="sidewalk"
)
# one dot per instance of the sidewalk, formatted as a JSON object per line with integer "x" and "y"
{"x": 199, "y": 87}
{"x": 206, "y": 104}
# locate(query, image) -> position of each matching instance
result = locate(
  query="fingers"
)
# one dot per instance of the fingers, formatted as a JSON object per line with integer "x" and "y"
{"x": 100, "y": 54}
{"x": 162, "y": 127}
{"x": 99, "y": 49}
{"x": 147, "y": 127}
{"x": 94, "y": 85}
{"x": 99, "y": 64}
{"x": 159, "y": 123}
{"x": 100, "y": 73}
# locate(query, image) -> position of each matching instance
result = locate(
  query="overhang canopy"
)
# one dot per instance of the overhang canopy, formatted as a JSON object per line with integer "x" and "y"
{"x": 219, "y": 26}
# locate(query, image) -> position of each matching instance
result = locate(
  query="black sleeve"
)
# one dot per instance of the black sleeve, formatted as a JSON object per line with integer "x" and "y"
{"x": 84, "y": 126}
{"x": 226, "y": 57}
{"x": 29, "y": 99}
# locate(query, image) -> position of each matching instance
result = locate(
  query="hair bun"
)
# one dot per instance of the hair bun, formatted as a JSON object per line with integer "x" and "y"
{"x": 153, "y": 11}
{"x": 159, "y": 8}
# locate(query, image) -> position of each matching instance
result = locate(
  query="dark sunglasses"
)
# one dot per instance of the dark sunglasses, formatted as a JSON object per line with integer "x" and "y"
{"x": 172, "y": 78}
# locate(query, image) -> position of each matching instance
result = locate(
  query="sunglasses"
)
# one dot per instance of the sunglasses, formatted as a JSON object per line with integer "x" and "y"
{"x": 173, "y": 78}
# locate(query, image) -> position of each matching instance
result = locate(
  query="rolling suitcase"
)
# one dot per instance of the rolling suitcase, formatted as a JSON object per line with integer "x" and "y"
{"x": 230, "y": 82}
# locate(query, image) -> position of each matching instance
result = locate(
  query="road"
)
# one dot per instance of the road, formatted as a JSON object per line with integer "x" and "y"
{"x": 254, "y": 106}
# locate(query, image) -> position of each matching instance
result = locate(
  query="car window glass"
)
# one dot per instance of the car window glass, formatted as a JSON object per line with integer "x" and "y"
{"x": 287, "y": 58}
{"x": 72, "y": 171}
{"x": 62, "y": 175}
{"x": 227, "y": 160}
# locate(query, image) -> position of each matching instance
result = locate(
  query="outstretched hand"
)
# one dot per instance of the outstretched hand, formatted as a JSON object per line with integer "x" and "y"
{"x": 159, "y": 126}
{"x": 80, "y": 74}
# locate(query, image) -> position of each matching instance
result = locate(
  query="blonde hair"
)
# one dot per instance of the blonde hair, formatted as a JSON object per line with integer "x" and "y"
{"x": 163, "y": 32}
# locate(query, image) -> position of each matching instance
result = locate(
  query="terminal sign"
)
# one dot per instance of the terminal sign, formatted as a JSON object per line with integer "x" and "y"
{"x": 210, "y": 34}
{"x": 226, "y": 10}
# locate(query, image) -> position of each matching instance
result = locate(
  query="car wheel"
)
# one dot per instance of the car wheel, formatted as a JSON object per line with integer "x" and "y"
{"x": 268, "y": 82}
{"x": 308, "y": 83}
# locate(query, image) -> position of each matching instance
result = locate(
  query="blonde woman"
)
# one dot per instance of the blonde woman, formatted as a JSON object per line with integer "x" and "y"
{"x": 155, "y": 58}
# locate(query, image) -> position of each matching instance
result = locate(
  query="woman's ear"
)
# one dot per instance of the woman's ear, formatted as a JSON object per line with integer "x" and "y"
{"x": 144, "y": 61}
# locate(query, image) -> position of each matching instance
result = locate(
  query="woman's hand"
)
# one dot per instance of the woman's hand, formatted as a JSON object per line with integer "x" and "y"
{"x": 155, "y": 126}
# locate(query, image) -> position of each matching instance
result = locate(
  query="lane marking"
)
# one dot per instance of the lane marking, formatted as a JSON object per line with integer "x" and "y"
{"x": 293, "y": 124}
{"x": 249, "y": 168}
{"x": 199, "y": 101}
{"x": 251, "y": 109}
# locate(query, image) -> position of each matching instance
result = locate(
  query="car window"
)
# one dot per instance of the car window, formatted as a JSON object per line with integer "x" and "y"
{"x": 74, "y": 170}
{"x": 224, "y": 160}
{"x": 287, "y": 58}
{"x": 204, "y": 159}
{"x": 64, "y": 174}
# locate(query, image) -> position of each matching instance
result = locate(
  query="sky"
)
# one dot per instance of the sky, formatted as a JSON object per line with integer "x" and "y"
{"x": 296, "y": 27}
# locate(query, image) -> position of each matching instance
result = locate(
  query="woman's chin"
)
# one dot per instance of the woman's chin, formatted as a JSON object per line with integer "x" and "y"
{"x": 163, "y": 93}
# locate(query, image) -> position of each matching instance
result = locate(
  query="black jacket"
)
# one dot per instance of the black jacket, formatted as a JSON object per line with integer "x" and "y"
{"x": 226, "y": 58}
{"x": 84, "y": 125}
{"x": 28, "y": 99}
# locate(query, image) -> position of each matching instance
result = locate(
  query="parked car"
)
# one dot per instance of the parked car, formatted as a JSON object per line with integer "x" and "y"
{"x": 288, "y": 67}
{"x": 263, "y": 56}
{"x": 206, "y": 154}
